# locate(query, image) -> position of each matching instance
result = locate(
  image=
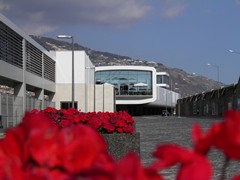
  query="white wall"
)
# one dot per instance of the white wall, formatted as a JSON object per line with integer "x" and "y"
{"x": 86, "y": 93}
{"x": 166, "y": 97}
{"x": 64, "y": 66}
{"x": 105, "y": 98}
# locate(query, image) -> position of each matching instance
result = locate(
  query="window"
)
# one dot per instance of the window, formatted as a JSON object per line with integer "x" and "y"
{"x": 33, "y": 59}
{"x": 159, "y": 79}
{"x": 162, "y": 79}
{"x": 10, "y": 46}
{"x": 127, "y": 82}
{"x": 68, "y": 104}
{"x": 49, "y": 68}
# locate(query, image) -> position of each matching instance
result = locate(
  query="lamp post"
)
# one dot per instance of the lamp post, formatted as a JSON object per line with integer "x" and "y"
{"x": 215, "y": 66}
{"x": 165, "y": 94}
{"x": 166, "y": 101}
{"x": 236, "y": 52}
{"x": 233, "y": 51}
{"x": 70, "y": 37}
{"x": 179, "y": 109}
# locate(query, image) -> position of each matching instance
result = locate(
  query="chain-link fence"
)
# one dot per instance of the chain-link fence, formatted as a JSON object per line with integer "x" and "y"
{"x": 11, "y": 108}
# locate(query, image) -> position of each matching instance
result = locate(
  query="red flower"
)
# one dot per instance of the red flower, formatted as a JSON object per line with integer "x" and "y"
{"x": 83, "y": 118}
{"x": 129, "y": 167}
{"x": 65, "y": 118}
{"x": 63, "y": 111}
{"x": 82, "y": 146}
{"x": 237, "y": 177}
{"x": 192, "y": 165}
{"x": 26, "y": 143}
{"x": 40, "y": 173}
{"x": 10, "y": 164}
{"x": 128, "y": 129}
{"x": 40, "y": 140}
{"x": 202, "y": 142}
{"x": 119, "y": 130}
{"x": 64, "y": 123}
{"x": 120, "y": 123}
{"x": 109, "y": 127}
{"x": 104, "y": 117}
{"x": 228, "y": 138}
{"x": 34, "y": 111}
{"x": 224, "y": 135}
{"x": 113, "y": 120}
{"x": 94, "y": 122}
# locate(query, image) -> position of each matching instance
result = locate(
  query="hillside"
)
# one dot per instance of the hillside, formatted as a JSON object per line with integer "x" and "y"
{"x": 182, "y": 82}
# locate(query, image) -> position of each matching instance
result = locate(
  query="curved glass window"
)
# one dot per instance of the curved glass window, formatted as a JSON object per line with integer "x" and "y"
{"x": 127, "y": 82}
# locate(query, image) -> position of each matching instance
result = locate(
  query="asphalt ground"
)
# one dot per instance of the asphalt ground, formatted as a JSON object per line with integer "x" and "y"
{"x": 155, "y": 130}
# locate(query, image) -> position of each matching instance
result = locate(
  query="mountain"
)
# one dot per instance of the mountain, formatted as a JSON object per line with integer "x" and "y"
{"x": 184, "y": 83}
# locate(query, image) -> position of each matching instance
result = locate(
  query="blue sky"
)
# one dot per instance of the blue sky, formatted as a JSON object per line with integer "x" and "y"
{"x": 184, "y": 34}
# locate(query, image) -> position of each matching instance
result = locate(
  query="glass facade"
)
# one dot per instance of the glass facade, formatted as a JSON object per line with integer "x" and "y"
{"x": 162, "y": 79}
{"x": 127, "y": 82}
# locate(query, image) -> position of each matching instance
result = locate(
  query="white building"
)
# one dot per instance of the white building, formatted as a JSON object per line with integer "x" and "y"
{"x": 88, "y": 96}
{"x": 139, "y": 89}
{"x": 40, "y": 78}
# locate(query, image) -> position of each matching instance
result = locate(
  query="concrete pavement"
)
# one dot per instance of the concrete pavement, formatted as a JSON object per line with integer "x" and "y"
{"x": 155, "y": 130}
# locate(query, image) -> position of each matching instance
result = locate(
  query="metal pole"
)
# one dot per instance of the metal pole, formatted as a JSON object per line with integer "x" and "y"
{"x": 179, "y": 109}
{"x": 72, "y": 72}
{"x": 171, "y": 96}
{"x": 70, "y": 37}
{"x": 94, "y": 92}
{"x": 166, "y": 102}
{"x": 217, "y": 67}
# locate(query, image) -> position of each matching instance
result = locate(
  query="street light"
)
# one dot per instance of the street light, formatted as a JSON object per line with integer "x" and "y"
{"x": 166, "y": 100}
{"x": 233, "y": 51}
{"x": 70, "y": 37}
{"x": 216, "y": 66}
{"x": 165, "y": 94}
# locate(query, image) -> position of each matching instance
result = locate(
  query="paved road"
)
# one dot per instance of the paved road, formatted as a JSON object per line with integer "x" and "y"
{"x": 155, "y": 130}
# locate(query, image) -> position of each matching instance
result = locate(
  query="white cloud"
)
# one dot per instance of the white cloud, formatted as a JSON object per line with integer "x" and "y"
{"x": 54, "y": 13}
{"x": 38, "y": 29}
{"x": 170, "y": 9}
{"x": 173, "y": 11}
{"x": 4, "y": 7}
{"x": 238, "y": 2}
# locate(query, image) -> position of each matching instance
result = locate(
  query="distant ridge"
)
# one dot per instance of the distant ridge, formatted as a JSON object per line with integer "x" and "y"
{"x": 182, "y": 82}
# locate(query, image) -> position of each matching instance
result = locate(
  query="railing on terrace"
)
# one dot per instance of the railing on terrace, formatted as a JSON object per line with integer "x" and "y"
{"x": 130, "y": 92}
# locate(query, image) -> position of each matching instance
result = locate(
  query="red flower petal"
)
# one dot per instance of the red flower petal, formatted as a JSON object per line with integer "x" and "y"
{"x": 82, "y": 145}
{"x": 191, "y": 162}
{"x": 129, "y": 167}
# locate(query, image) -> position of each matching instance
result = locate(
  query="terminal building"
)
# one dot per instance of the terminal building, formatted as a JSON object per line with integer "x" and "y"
{"x": 139, "y": 89}
{"x": 40, "y": 78}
